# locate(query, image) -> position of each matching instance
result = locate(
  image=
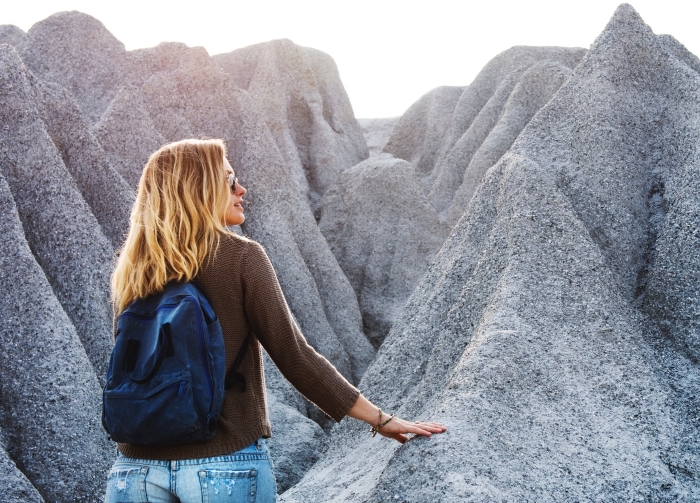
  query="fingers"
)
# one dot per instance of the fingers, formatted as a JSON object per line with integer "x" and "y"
{"x": 430, "y": 426}
{"x": 398, "y": 428}
{"x": 423, "y": 428}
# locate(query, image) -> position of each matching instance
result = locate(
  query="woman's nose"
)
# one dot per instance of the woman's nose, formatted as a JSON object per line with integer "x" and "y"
{"x": 240, "y": 190}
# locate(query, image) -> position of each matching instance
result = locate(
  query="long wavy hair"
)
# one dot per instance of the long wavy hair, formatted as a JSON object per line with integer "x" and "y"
{"x": 176, "y": 221}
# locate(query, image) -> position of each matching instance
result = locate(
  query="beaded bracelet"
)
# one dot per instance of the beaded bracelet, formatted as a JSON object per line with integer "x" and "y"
{"x": 375, "y": 429}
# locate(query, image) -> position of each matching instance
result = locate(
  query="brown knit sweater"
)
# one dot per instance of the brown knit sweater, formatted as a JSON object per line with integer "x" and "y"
{"x": 245, "y": 294}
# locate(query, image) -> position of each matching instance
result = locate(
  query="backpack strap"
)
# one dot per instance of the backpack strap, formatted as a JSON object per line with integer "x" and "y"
{"x": 233, "y": 377}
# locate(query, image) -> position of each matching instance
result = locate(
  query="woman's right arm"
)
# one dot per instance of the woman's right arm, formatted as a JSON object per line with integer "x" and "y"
{"x": 310, "y": 373}
{"x": 274, "y": 326}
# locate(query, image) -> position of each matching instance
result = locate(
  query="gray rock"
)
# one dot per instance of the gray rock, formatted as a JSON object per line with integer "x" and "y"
{"x": 62, "y": 232}
{"x": 199, "y": 99}
{"x": 77, "y": 52}
{"x": 668, "y": 285}
{"x": 533, "y": 336}
{"x": 165, "y": 57}
{"x": 418, "y": 137}
{"x": 11, "y": 34}
{"x": 127, "y": 134}
{"x": 479, "y": 110}
{"x": 50, "y": 395}
{"x": 14, "y": 486}
{"x": 302, "y": 100}
{"x": 107, "y": 194}
{"x": 534, "y": 88}
{"x": 420, "y": 132}
{"x": 384, "y": 234}
{"x": 678, "y": 50}
{"x": 377, "y": 133}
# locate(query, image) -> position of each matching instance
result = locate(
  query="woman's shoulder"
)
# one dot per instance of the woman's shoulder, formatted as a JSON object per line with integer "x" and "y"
{"x": 239, "y": 244}
{"x": 247, "y": 252}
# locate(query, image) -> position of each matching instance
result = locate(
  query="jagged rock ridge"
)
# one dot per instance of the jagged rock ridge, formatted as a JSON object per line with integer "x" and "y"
{"x": 50, "y": 393}
{"x": 62, "y": 231}
{"x": 451, "y": 136}
{"x": 540, "y": 335}
{"x": 555, "y": 333}
{"x": 298, "y": 91}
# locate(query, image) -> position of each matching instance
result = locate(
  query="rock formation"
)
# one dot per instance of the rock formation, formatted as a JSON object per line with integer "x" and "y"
{"x": 555, "y": 330}
{"x": 64, "y": 235}
{"x": 128, "y": 134}
{"x": 108, "y": 196}
{"x": 384, "y": 234}
{"x": 14, "y": 485}
{"x": 10, "y": 34}
{"x": 50, "y": 393}
{"x": 299, "y": 94}
{"x": 420, "y": 132}
{"x": 543, "y": 334}
{"x": 451, "y": 136}
{"x": 77, "y": 52}
{"x": 377, "y": 133}
{"x": 480, "y": 109}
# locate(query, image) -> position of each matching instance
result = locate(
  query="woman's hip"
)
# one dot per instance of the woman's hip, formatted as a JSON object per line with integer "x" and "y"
{"x": 242, "y": 476}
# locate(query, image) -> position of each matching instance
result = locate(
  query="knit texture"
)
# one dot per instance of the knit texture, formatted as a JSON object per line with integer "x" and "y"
{"x": 243, "y": 289}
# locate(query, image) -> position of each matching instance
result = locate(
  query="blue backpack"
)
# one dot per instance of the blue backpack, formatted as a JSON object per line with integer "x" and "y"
{"x": 166, "y": 377}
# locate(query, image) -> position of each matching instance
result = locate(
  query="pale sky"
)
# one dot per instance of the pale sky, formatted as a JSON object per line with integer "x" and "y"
{"x": 388, "y": 52}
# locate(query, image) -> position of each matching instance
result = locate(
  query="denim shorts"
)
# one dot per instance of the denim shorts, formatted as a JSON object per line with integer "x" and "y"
{"x": 243, "y": 476}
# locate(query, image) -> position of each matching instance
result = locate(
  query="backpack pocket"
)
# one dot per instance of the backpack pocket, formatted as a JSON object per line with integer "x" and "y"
{"x": 152, "y": 413}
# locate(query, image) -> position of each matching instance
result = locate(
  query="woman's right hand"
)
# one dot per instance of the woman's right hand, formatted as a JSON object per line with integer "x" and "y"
{"x": 397, "y": 428}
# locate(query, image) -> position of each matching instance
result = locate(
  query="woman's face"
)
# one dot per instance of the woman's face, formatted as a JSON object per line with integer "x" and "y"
{"x": 234, "y": 211}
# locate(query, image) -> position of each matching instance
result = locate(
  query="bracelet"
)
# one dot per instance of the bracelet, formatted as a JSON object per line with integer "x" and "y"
{"x": 379, "y": 426}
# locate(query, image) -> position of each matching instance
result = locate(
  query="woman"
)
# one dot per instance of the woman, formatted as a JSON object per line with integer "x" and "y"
{"x": 187, "y": 195}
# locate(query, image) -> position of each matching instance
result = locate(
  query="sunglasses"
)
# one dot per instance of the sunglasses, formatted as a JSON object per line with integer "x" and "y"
{"x": 232, "y": 181}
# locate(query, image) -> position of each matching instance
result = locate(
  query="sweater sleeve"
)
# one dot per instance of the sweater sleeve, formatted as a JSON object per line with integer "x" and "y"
{"x": 272, "y": 323}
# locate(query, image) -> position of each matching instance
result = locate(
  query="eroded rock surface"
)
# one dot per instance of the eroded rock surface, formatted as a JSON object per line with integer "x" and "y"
{"x": 451, "y": 136}
{"x": 63, "y": 233}
{"x": 537, "y": 335}
{"x": 128, "y": 134}
{"x": 481, "y": 107}
{"x": 384, "y": 234}
{"x": 377, "y": 133}
{"x": 11, "y": 34}
{"x": 50, "y": 393}
{"x": 14, "y": 486}
{"x": 76, "y": 51}
{"x": 302, "y": 100}
{"x": 420, "y": 132}
{"x": 107, "y": 194}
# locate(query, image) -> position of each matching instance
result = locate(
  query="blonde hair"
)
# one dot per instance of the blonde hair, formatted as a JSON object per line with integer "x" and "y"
{"x": 176, "y": 221}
